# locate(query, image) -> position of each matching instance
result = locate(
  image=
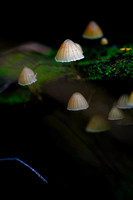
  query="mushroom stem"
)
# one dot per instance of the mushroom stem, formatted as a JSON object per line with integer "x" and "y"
{"x": 34, "y": 91}
{"x": 74, "y": 70}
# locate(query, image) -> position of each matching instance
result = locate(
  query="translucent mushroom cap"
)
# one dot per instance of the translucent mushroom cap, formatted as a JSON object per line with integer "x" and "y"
{"x": 77, "y": 102}
{"x": 122, "y": 102}
{"x": 69, "y": 51}
{"x": 98, "y": 123}
{"x": 26, "y": 77}
{"x": 92, "y": 31}
{"x": 115, "y": 114}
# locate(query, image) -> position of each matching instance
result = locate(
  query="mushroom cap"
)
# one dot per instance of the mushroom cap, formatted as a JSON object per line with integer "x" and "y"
{"x": 130, "y": 100}
{"x": 122, "y": 102}
{"x": 115, "y": 114}
{"x": 92, "y": 31}
{"x": 98, "y": 123}
{"x": 77, "y": 102}
{"x": 104, "y": 41}
{"x": 69, "y": 51}
{"x": 26, "y": 77}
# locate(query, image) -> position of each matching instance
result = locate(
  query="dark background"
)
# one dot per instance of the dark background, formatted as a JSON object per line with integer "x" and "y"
{"x": 52, "y": 22}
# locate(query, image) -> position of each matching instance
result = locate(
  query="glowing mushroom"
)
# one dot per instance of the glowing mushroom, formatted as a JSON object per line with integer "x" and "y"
{"x": 69, "y": 52}
{"x": 115, "y": 114}
{"x": 104, "y": 41}
{"x": 26, "y": 77}
{"x": 122, "y": 102}
{"x": 92, "y": 31}
{"x": 77, "y": 102}
{"x": 97, "y": 123}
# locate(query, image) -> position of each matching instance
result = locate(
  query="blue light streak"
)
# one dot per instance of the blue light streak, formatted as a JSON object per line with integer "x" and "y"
{"x": 22, "y": 162}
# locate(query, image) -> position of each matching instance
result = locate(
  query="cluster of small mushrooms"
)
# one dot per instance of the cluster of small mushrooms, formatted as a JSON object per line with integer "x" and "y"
{"x": 70, "y": 51}
{"x": 99, "y": 123}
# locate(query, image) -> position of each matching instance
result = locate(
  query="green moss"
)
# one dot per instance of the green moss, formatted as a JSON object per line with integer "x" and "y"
{"x": 112, "y": 64}
{"x": 51, "y": 53}
{"x": 46, "y": 73}
{"x": 83, "y": 63}
{"x": 11, "y": 66}
{"x": 5, "y": 71}
{"x": 98, "y": 64}
{"x": 20, "y": 95}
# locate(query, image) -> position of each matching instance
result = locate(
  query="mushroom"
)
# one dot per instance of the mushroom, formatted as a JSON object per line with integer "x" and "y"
{"x": 77, "y": 102}
{"x": 26, "y": 77}
{"x": 69, "y": 52}
{"x": 122, "y": 102}
{"x": 104, "y": 41}
{"x": 97, "y": 123}
{"x": 115, "y": 114}
{"x": 92, "y": 31}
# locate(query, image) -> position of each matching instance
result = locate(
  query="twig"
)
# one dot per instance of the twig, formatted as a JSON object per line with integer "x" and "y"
{"x": 22, "y": 162}
{"x": 6, "y": 85}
